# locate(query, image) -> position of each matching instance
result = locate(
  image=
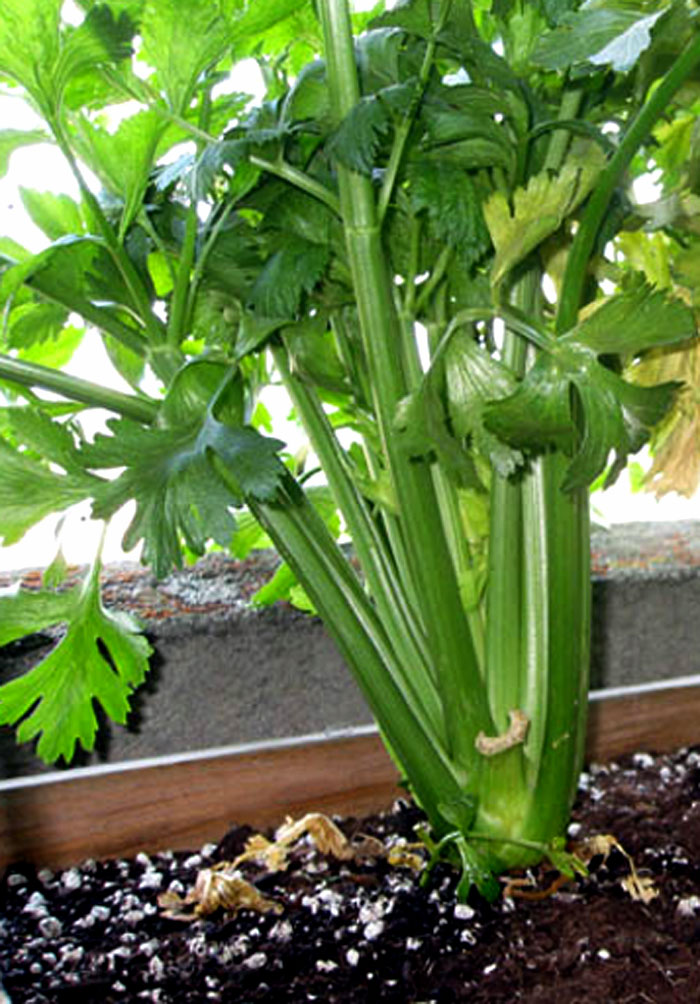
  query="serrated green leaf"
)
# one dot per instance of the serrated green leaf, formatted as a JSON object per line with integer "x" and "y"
{"x": 277, "y": 588}
{"x": 122, "y": 159}
{"x": 412, "y": 16}
{"x": 300, "y": 214}
{"x": 48, "y": 439}
{"x": 29, "y": 45}
{"x": 234, "y": 261}
{"x": 538, "y": 414}
{"x": 73, "y": 271}
{"x": 29, "y": 491}
{"x": 605, "y": 34}
{"x": 134, "y": 8}
{"x": 102, "y": 657}
{"x": 422, "y": 431}
{"x": 254, "y": 331}
{"x": 471, "y": 154}
{"x": 464, "y": 115}
{"x": 216, "y": 156}
{"x": 182, "y": 39}
{"x": 130, "y": 365}
{"x": 102, "y": 38}
{"x": 55, "y": 351}
{"x": 612, "y": 415}
{"x": 308, "y": 99}
{"x": 216, "y": 316}
{"x": 162, "y": 469}
{"x": 249, "y": 536}
{"x": 56, "y": 215}
{"x": 381, "y": 59}
{"x": 449, "y": 197}
{"x": 174, "y": 470}
{"x": 473, "y": 378}
{"x": 284, "y": 585}
{"x": 12, "y": 250}
{"x": 15, "y": 139}
{"x": 313, "y": 354}
{"x": 34, "y": 324}
{"x": 43, "y": 56}
{"x": 290, "y": 272}
{"x": 633, "y": 321}
{"x": 539, "y": 209}
{"x": 259, "y": 18}
{"x": 358, "y": 138}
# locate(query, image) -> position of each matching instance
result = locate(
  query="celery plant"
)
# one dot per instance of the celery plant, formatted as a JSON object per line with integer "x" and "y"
{"x": 420, "y": 179}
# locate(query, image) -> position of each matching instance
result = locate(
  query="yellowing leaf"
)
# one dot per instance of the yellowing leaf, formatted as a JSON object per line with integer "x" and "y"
{"x": 540, "y": 209}
{"x": 675, "y": 445}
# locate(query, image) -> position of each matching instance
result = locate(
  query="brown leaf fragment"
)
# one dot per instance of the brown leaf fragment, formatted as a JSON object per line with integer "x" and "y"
{"x": 639, "y": 887}
{"x": 218, "y": 888}
{"x": 329, "y": 839}
{"x": 272, "y": 855}
{"x": 325, "y": 834}
{"x": 403, "y": 855}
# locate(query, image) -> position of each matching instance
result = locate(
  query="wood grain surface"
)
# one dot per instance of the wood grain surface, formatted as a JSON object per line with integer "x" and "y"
{"x": 97, "y": 812}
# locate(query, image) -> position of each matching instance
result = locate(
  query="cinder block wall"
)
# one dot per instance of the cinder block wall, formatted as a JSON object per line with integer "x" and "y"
{"x": 223, "y": 673}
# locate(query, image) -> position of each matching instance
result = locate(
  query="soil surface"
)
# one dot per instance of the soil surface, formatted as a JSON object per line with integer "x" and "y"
{"x": 364, "y": 930}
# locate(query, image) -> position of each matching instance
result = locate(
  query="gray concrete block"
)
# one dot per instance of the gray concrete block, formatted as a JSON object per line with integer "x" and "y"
{"x": 223, "y": 673}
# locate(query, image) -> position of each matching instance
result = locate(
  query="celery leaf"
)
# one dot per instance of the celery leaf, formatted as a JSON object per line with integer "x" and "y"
{"x": 14, "y": 139}
{"x": 637, "y": 319}
{"x": 570, "y": 400}
{"x": 102, "y": 657}
{"x": 55, "y": 214}
{"x": 43, "y": 56}
{"x": 604, "y": 34}
{"x": 358, "y": 139}
{"x": 173, "y": 470}
{"x": 29, "y": 490}
{"x": 292, "y": 270}
{"x": 182, "y": 39}
{"x": 539, "y": 209}
{"x": 448, "y": 196}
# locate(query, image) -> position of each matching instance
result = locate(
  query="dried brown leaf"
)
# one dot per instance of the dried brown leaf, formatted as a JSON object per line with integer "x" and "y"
{"x": 217, "y": 888}
{"x": 639, "y": 887}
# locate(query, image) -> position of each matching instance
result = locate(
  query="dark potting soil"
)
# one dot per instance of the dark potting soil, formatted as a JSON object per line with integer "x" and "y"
{"x": 364, "y": 931}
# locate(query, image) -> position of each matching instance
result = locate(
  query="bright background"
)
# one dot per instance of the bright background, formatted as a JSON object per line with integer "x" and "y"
{"x": 42, "y": 167}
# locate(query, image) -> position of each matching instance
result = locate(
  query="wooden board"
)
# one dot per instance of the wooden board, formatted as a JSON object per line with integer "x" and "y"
{"x": 57, "y": 820}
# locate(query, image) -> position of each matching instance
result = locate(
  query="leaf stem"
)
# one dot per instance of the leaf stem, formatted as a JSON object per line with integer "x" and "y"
{"x": 431, "y": 569}
{"x": 640, "y": 127}
{"x": 403, "y": 130}
{"x": 559, "y": 141}
{"x": 164, "y": 365}
{"x": 435, "y": 277}
{"x": 76, "y": 389}
{"x": 303, "y": 541}
{"x": 299, "y": 179}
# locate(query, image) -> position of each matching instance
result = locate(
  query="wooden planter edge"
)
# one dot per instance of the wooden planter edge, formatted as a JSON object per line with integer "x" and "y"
{"x": 182, "y": 801}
